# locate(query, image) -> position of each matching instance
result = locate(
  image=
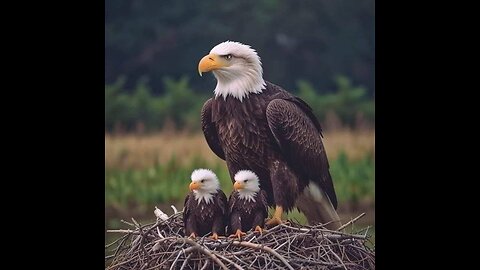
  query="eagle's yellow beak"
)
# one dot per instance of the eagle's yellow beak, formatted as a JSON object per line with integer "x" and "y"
{"x": 194, "y": 185}
{"x": 238, "y": 186}
{"x": 209, "y": 63}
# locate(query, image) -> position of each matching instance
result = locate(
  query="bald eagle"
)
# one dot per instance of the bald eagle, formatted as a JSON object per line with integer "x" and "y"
{"x": 252, "y": 123}
{"x": 205, "y": 208}
{"x": 247, "y": 204}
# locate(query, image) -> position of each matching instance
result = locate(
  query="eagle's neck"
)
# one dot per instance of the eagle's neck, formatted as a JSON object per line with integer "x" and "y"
{"x": 247, "y": 195}
{"x": 239, "y": 84}
{"x": 207, "y": 197}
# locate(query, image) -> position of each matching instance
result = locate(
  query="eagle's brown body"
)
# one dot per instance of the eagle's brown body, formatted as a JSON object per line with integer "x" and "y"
{"x": 246, "y": 214}
{"x": 277, "y": 136}
{"x": 203, "y": 218}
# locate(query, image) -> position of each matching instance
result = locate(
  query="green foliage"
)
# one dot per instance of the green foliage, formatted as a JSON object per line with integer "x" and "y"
{"x": 347, "y": 102}
{"x": 181, "y": 105}
{"x": 141, "y": 109}
{"x": 168, "y": 183}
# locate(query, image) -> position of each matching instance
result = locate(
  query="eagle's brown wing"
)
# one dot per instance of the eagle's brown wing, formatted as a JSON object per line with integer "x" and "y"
{"x": 210, "y": 131}
{"x": 220, "y": 219}
{"x": 298, "y": 135}
{"x": 234, "y": 220}
{"x": 188, "y": 222}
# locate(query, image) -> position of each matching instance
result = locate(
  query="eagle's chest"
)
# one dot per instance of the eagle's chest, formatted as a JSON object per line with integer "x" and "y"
{"x": 246, "y": 207}
{"x": 242, "y": 126}
{"x": 206, "y": 212}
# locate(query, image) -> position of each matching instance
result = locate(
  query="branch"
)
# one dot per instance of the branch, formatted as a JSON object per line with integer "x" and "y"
{"x": 351, "y": 221}
{"x": 204, "y": 251}
{"x": 265, "y": 248}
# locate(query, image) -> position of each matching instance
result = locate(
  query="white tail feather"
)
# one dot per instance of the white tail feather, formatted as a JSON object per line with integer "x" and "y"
{"x": 317, "y": 207}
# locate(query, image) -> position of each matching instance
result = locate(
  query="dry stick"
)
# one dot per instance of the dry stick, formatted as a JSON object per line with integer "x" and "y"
{"x": 120, "y": 245}
{"x": 230, "y": 261}
{"x": 186, "y": 260}
{"x": 178, "y": 256}
{"x": 109, "y": 245}
{"x": 128, "y": 223}
{"x": 265, "y": 248}
{"x": 123, "y": 231}
{"x": 204, "y": 251}
{"x": 350, "y": 222}
{"x": 338, "y": 258}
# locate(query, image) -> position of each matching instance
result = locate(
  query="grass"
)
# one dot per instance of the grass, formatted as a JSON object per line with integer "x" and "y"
{"x": 142, "y": 152}
{"x": 168, "y": 183}
{"x": 154, "y": 170}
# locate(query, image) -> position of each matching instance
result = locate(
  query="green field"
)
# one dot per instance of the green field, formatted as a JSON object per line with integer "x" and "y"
{"x": 145, "y": 171}
{"x": 141, "y": 189}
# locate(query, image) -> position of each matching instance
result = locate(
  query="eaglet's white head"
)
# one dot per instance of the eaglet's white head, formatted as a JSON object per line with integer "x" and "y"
{"x": 247, "y": 184}
{"x": 236, "y": 67}
{"x": 204, "y": 185}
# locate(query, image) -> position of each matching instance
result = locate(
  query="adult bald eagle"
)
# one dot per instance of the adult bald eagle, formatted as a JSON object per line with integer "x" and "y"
{"x": 205, "y": 208}
{"x": 252, "y": 123}
{"x": 247, "y": 204}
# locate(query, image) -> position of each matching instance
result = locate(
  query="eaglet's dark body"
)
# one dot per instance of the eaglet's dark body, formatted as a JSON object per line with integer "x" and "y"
{"x": 202, "y": 218}
{"x": 274, "y": 134}
{"x": 246, "y": 214}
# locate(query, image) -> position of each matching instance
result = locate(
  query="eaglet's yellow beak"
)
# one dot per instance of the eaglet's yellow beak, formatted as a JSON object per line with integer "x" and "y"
{"x": 238, "y": 186}
{"x": 210, "y": 62}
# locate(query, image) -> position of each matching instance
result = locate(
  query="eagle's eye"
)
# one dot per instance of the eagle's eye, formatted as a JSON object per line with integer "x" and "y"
{"x": 227, "y": 56}
{"x": 203, "y": 180}
{"x": 246, "y": 180}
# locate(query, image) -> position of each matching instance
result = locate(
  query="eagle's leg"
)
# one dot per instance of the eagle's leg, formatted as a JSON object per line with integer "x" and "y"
{"x": 238, "y": 234}
{"x": 277, "y": 217}
{"x": 214, "y": 236}
{"x": 193, "y": 235}
{"x": 258, "y": 229}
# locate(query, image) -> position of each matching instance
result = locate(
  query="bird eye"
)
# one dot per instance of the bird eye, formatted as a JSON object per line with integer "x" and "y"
{"x": 202, "y": 181}
{"x": 246, "y": 181}
{"x": 228, "y": 56}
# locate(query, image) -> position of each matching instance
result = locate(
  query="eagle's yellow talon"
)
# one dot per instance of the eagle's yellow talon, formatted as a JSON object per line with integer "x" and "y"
{"x": 238, "y": 235}
{"x": 274, "y": 221}
{"x": 277, "y": 217}
{"x": 214, "y": 236}
{"x": 259, "y": 229}
{"x": 192, "y": 235}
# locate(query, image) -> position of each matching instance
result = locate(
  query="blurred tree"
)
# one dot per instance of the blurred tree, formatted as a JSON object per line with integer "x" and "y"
{"x": 309, "y": 39}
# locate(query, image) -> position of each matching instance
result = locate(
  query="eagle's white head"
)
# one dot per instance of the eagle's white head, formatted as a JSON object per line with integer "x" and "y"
{"x": 247, "y": 184}
{"x": 236, "y": 67}
{"x": 204, "y": 185}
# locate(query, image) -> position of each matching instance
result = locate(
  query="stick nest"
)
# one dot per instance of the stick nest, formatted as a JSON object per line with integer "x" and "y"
{"x": 162, "y": 245}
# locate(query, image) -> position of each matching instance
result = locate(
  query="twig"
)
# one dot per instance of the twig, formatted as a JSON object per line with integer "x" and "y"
{"x": 206, "y": 252}
{"x": 123, "y": 231}
{"x": 185, "y": 262}
{"x": 267, "y": 249}
{"x": 230, "y": 261}
{"x": 351, "y": 221}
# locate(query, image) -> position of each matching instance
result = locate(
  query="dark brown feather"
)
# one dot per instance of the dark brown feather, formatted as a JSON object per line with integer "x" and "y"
{"x": 202, "y": 218}
{"x": 210, "y": 131}
{"x": 245, "y": 215}
{"x": 283, "y": 146}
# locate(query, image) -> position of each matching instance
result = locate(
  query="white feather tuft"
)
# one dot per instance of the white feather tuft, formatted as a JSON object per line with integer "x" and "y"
{"x": 210, "y": 186}
{"x": 251, "y": 186}
{"x": 242, "y": 78}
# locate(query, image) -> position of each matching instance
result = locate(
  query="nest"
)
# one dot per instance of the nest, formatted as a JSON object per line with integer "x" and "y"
{"x": 162, "y": 245}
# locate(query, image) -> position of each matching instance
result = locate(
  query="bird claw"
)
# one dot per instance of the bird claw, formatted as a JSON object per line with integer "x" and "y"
{"x": 274, "y": 221}
{"x": 214, "y": 236}
{"x": 192, "y": 236}
{"x": 238, "y": 235}
{"x": 259, "y": 229}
